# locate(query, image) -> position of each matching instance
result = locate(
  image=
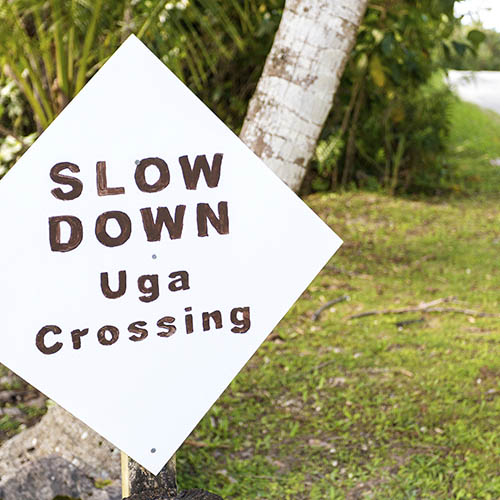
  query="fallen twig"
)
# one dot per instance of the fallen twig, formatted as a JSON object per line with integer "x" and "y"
{"x": 330, "y": 303}
{"x": 426, "y": 307}
{"x": 468, "y": 312}
{"x": 404, "y": 371}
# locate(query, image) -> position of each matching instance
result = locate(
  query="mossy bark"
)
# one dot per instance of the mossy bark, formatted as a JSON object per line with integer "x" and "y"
{"x": 146, "y": 486}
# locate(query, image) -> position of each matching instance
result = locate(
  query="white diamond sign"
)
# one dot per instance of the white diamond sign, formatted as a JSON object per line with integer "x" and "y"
{"x": 146, "y": 254}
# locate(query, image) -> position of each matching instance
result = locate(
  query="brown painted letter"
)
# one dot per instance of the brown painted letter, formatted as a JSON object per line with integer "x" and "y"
{"x": 192, "y": 174}
{"x": 125, "y": 228}
{"x": 205, "y": 213}
{"x": 240, "y": 325}
{"x": 141, "y": 333}
{"x": 76, "y": 336}
{"x": 122, "y": 285}
{"x": 102, "y": 182}
{"x": 174, "y": 226}
{"x": 189, "y": 320}
{"x": 181, "y": 281}
{"x": 140, "y": 175}
{"x": 75, "y": 237}
{"x": 40, "y": 339}
{"x": 216, "y": 316}
{"x": 101, "y": 335}
{"x": 76, "y": 184}
{"x": 165, "y": 322}
{"x": 152, "y": 290}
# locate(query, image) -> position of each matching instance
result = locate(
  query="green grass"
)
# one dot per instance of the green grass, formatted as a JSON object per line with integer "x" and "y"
{"x": 21, "y": 405}
{"x": 362, "y": 408}
{"x": 475, "y": 142}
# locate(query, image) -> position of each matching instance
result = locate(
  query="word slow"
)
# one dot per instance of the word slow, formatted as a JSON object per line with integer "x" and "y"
{"x": 47, "y": 339}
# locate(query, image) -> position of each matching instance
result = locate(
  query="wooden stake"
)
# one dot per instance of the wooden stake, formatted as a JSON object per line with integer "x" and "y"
{"x": 142, "y": 485}
{"x": 142, "y": 481}
{"x": 125, "y": 476}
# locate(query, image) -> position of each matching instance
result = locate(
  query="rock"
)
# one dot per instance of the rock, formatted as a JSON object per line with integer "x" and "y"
{"x": 12, "y": 412}
{"x": 49, "y": 477}
{"x": 61, "y": 456}
{"x": 59, "y": 433}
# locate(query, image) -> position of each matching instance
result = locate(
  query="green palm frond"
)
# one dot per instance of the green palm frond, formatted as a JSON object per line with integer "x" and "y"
{"x": 52, "y": 47}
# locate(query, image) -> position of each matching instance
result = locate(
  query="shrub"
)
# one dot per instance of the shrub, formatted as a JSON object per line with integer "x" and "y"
{"x": 389, "y": 124}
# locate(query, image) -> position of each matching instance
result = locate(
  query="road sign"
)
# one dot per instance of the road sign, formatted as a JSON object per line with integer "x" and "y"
{"x": 146, "y": 254}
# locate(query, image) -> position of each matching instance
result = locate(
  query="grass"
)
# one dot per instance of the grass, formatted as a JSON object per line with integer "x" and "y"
{"x": 21, "y": 405}
{"x": 365, "y": 408}
{"x": 475, "y": 142}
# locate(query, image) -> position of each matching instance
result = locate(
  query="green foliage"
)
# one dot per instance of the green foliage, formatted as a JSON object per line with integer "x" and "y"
{"x": 102, "y": 483}
{"x": 16, "y": 126}
{"x": 8, "y": 424}
{"x": 476, "y": 37}
{"x": 51, "y": 48}
{"x": 403, "y": 148}
{"x": 327, "y": 154}
{"x": 474, "y": 151}
{"x": 388, "y": 127}
{"x": 230, "y": 85}
{"x": 482, "y": 50}
{"x": 390, "y": 114}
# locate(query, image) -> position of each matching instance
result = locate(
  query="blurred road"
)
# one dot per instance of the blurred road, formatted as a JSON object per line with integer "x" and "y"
{"x": 480, "y": 87}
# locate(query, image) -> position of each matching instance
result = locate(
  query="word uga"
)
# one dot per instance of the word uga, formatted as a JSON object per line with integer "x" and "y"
{"x": 153, "y": 223}
{"x": 148, "y": 285}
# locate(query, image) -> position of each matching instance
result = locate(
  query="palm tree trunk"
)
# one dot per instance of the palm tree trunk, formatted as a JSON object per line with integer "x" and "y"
{"x": 295, "y": 92}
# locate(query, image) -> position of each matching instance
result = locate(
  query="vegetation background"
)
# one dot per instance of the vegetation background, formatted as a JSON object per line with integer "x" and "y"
{"x": 403, "y": 403}
{"x": 387, "y": 129}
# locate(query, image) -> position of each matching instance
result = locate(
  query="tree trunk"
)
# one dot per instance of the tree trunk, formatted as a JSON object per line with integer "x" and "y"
{"x": 295, "y": 92}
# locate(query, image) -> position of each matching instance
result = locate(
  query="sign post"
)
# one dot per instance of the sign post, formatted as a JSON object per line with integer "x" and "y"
{"x": 143, "y": 483}
{"x": 139, "y": 231}
{"x": 125, "y": 475}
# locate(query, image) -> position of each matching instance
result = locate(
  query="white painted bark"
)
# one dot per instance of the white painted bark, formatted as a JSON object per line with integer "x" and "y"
{"x": 301, "y": 75}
